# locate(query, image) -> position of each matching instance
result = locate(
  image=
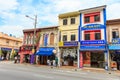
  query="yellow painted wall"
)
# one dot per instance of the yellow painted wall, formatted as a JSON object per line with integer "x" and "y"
{"x": 69, "y": 28}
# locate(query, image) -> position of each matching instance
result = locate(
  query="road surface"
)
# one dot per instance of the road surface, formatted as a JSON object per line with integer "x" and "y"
{"x": 11, "y": 71}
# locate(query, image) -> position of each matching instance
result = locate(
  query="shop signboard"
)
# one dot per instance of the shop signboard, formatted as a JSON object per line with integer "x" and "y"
{"x": 93, "y": 26}
{"x": 116, "y": 41}
{"x": 6, "y": 49}
{"x": 71, "y": 43}
{"x": 117, "y": 51}
{"x": 92, "y": 42}
{"x": 92, "y": 47}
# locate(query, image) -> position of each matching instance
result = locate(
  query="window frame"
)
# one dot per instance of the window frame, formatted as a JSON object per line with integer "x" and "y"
{"x": 73, "y": 37}
{"x": 99, "y": 37}
{"x": 64, "y": 37}
{"x": 73, "y": 20}
{"x": 65, "y": 21}
{"x": 85, "y": 38}
{"x": 85, "y": 19}
{"x": 116, "y": 31}
{"x": 96, "y": 18}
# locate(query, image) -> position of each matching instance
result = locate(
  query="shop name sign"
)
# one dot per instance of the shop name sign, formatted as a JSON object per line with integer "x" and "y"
{"x": 72, "y": 43}
{"x": 96, "y": 47}
{"x": 92, "y": 42}
{"x": 93, "y": 26}
{"x": 116, "y": 41}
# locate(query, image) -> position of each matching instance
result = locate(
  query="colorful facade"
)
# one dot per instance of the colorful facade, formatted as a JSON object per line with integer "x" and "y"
{"x": 48, "y": 45}
{"x": 113, "y": 34}
{"x": 9, "y": 45}
{"x": 82, "y": 39}
{"x": 45, "y": 43}
{"x": 68, "y": 43}
{"x": 92, "y": 37}
{"x": 26, "y": 53}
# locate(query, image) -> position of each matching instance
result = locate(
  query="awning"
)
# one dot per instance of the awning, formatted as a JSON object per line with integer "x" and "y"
{"x": 114, "y": 47}
{"x": 45, "y": 51}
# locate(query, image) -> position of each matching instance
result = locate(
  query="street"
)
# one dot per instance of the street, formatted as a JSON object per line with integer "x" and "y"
{"x": 11, "y": 71}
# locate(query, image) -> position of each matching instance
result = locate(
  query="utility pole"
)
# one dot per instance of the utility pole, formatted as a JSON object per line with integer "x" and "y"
{"x": 34, "y": 34}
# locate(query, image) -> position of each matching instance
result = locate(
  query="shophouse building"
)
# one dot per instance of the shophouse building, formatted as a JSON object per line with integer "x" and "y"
{"x": 92, "y": 38}
{"x": 9, "y": 45}
{"x": 113, "y": 35}
{"x": 48, "y": 45}
{"x": 45, "y": 44}
{"x": 26, "y": 53}
{"x": 68, "y": 43}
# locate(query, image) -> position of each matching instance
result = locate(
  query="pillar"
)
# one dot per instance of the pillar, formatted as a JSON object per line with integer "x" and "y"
{"x": 106, "y": 60}
{"x": 21, "y": 58}
{"x": 81, "y": 59}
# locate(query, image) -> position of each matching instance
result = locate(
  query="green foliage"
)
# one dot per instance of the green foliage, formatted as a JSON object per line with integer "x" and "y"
{"x": 1, "y": 52}
{"x": 13, "y": 54}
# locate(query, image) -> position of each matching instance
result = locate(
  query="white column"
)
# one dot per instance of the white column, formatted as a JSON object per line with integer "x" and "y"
{"x": 78, "y": 55}
{"x": 58, "y": 50}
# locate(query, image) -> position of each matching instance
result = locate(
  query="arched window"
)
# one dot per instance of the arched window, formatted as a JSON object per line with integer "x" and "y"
{"x": 52, "y": 39}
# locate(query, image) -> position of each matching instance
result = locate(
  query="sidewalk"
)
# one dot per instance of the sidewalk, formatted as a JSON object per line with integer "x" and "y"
{"x": 70, "y": 68}
{"x": 88, "y": 69}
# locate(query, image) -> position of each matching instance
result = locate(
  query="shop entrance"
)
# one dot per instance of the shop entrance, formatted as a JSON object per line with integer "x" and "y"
{"x": 115, "y": 56}
{"x": 97, "y": 59}
{"x": 27, "y": 58}
{"x": 42, "y": 60}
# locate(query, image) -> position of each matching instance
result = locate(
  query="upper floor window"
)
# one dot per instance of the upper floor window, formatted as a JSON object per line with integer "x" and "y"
{"x": 64, "y": 21}
{"x": 97, "y": 36}
{"x": 16, "y": 43}
{"x": 72, "y": 20}
{"x": 7, "y": 41}
{"x": 115, "y": 33}
{"x": 73, "y": 37}
{"x": 87, "y": 19}
{"x": 92, "y": 17}
{"x": 64, "y": 37}
{"x": 52, "y": 39}
{"x": 87, "y": 36}
{"x": 92, "y": 35}
{"x": 97, "y": 18}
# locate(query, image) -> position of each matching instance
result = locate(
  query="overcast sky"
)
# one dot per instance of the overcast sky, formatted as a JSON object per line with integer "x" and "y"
{"x": 13, "y": 20}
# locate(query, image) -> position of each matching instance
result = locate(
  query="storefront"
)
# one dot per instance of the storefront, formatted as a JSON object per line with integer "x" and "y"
{"x": 68, "y": 52}
{"x": 5, "y": 53}
{"x": 114, "y": 50}
{"x": 26, "y": 54}
{"x": 44, "y": 54}
{"x": 93, "y": 55}
{"x": 92, "y": 38}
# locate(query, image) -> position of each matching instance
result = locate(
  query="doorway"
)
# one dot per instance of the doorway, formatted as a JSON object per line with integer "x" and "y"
{"x": 97, "y": 59}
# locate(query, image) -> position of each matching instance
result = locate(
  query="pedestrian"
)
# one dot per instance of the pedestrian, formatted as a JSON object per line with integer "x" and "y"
{"x": 48, "y": 62}
{"x": 2, "y": 58}
{"x": 56, "y": 61}
{"x": 15, "y": 60}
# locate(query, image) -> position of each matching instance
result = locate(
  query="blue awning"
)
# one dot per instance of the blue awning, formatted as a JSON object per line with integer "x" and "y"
{"x": 114, "y": 47}
{"x": 45, "y": 51}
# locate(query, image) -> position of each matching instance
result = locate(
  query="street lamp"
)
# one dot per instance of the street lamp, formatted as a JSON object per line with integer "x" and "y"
{"x": 33, "y": 47}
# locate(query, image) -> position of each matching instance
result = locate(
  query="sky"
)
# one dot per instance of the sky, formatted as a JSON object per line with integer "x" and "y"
{"x": 13, "y": 20}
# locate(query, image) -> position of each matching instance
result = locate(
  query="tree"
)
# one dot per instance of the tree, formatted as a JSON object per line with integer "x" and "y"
{"x": 1, "y": 53}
